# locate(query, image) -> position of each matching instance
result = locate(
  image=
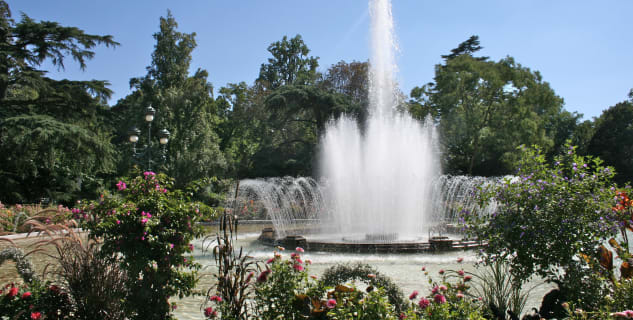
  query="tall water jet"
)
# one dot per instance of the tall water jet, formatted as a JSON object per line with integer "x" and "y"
{"x": 380, "y": 180}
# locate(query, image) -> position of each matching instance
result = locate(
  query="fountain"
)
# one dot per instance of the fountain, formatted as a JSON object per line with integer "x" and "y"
{"x": 379, "y": 185}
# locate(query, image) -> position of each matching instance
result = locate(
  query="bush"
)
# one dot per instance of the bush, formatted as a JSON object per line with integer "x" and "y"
{"x": 151, "y": 228}
{"x": 547, "y": 214}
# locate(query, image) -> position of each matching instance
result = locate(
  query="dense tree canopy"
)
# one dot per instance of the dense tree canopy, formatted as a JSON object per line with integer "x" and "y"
{"x": 184, "y": 105}
{"x": 613, "y": 140}
{"x": 486, "y": 109}
{"x": 54, "y": 137}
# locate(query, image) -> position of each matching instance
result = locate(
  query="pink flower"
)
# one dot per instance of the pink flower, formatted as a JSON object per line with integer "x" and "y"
{"x": 331, "y": 303}
{"x": 293, "y": 255}
{"x": 308, "y": 261}
{"x": 434, "y": 290}
{"x": 441, "y": 271}
{"x": 36, "y": 315}
{"x": 467, "y": 278}
{"x": 371, "y": 276}
{"x": 459, "y": 295}
{"x": 215, "y": 298}
{"x": 299, "y": 249}
{"x": 208, "y": 312}
{"x": 118, "y": 222}
{"x": 148, "y": 174}
{"x": 413, "y": 295}
{"x": 443, "y": 288}
{"x": 423, "y": 268}
{"x": 424, "y": 303}
{"x": 298, "y": 260}
{"x": 269, "y": 261}
{"x": 121, "y": 185}
{"x": 313, "y": 277}
{"x": 190, "y": 247}
{"x": 460, "y": 259}
{"x": 26, "y": 295}
{"x": 402, "y": 316}
{"x": 297, "y": 267}
{"x": 171, "y": 246}
{"x": 439, "y": 299}
{"x": 460, "y": 272}
{"x": 144, "y": 220}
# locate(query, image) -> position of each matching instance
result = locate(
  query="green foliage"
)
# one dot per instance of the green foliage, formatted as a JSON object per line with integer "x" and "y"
{"x": 150, "y": 226}
{"x": 37, "y": 300}
{"x": 486, "y": 109}
{"x": 290, "y": 64}
{"x": 234, "y": 279}
{"x": 448, "y": 299}
{"x": 496, "y": 285}
{"x": 284, "y": 290}
{"x": 547, "y": 214}
{"x": 184, "y": 105}
{"x": 355, "y": 304}
{"x": 613, "y": 140}
{"x": 343, "y": 273}
{"x": 53, "y": 141}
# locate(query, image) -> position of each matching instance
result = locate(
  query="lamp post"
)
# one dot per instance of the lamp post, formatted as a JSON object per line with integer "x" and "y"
{"x": 146, "y": 151}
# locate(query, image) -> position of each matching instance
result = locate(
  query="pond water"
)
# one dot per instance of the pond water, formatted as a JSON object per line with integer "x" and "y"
{"x": 404, "y": 269}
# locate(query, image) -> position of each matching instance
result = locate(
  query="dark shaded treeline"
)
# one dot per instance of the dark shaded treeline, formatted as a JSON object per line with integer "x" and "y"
{"x": 60, "y": 140}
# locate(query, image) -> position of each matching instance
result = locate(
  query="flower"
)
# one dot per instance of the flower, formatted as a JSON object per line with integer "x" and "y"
{"x": 434, "y": 290}
{"x": 460, "y": 272}
{"x": 36, "y": 315}
{"x": 439, "y": 299}
{"x": 443, "y": 288}
{"x": 269, "y": 261}
{"x": 215, "y": 298}
{"x": 423, "y": 268}
{"x": 371, "y": 276}
{"x": 424, "y": 303}
{"x": 460, "y": 259}
{"x": 263, "y": 276}
{"x": 299, "y": 249}
{"x": 26, "y": 295}
{"x": 413, "y": 295}
{"x": 121, "y": 185}
{"x": 331, "y": 303}
{"x": 313, "y": 277}
{"x": 459, "y": 295}
{"x": 208, "y": 312}
{"x": 12, "y": 292}
{"x": 441, "y": 271}
{"x": 297, "y": 267}
{"x": 467, "y": 278}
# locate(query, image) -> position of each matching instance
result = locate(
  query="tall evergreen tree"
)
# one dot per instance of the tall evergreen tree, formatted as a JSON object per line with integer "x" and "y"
{"x": 184, "y": 105}
{"x": 54, "y": 138}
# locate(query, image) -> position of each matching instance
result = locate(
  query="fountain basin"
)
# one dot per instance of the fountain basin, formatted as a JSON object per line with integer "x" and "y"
{"x": 365, "y": 245}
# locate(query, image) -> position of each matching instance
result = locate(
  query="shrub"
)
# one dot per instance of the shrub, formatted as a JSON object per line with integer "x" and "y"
{"x": 150, "y": 227}
{"x": 548, "y": 214}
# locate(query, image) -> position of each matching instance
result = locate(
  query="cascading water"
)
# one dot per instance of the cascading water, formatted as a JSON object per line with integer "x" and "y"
{"x": 380, "y": 179}
{"x": 382, "y": 183}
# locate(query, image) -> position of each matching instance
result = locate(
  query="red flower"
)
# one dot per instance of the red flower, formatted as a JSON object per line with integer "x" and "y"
{"x": 26, "y": 295}
{"x": 12, "y": 292}
{"x": 36, "y": 315}
{"x": 208, "y": 312}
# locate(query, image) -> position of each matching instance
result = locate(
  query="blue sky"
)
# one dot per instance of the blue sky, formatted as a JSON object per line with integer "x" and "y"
{"x": 584, "y": 49}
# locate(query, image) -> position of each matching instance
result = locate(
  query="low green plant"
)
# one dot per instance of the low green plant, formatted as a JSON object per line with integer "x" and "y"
{"x": 501, "y": 292}
{"x": 344, "y": 273}
{"x": 351, "y": 303}
{"x": 449, "y": 298}
{"x": 285, "y": 291}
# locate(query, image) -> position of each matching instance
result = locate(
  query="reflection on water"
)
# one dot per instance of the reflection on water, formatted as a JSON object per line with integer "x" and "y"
{"x": 404, "y": 269}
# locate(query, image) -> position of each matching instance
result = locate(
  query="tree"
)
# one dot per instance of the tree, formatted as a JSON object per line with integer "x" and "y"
{"x": 613, "y": 140}
{"x": 468, "y": 47}
{"x": 486, "y": 109}
{"x": 184, "y": 105}
{"x": 290, "y": 64}
{"x": 26, "y": 44}
{"x": 54, "y": 138}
